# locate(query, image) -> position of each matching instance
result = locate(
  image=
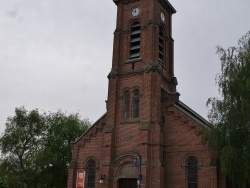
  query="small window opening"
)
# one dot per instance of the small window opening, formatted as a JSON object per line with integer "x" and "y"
{"x": 163, "y": 155}
{"x": 133, "y": 66}
{"x": 136, "y": 104}
{"x": 135, "y": 40}
{"x": 126, "y": 104}
{"x": 163, "y": 120}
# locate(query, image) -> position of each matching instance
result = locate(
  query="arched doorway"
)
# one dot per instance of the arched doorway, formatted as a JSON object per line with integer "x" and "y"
{"x": 127, "y": 183}
{"x": 128, "y": 176}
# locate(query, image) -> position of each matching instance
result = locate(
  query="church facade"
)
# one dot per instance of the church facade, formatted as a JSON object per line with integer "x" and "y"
{"x": 147, "y": 138}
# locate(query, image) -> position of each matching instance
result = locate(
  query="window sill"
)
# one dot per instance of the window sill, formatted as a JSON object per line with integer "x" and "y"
{"x": 162, "y": 65}
{"x": 133, "y": 60}
{"x": 135, "y": 120}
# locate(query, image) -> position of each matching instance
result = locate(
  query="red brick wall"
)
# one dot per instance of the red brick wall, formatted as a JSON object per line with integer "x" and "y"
{"x": 179, "y": 138}
{"x": 182, "y": 139}
{"x": 89, "y": 146}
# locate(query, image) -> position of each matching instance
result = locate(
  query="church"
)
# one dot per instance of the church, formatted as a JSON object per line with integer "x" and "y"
{"x": 147, "y": 138}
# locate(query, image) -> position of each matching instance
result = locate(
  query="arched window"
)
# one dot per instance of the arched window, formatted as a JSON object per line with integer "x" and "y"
{"x": 135, "y": 40}
{"x": 126, "y": 104}
{"x": 161, "y": 45}
{"x": 136, "y": 104}
{"x": 192, "y": 172}
{"x": 90, "y": 174}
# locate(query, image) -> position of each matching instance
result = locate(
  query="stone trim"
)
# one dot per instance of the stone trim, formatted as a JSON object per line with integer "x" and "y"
{"x": 90, "y": 128}
{"x": 144, "y": 125}
{"x": 72, "y": 164}
{"x": 193, "y": 115}
{"x": 108, "y": 129}
{"x": 124, "y": 1}
{"x": 153, "y": 66}
{"x": 167, "y": 5}
{"x": 113, "y": 73}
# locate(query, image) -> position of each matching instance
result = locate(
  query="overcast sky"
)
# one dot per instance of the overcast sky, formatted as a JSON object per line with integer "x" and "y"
{"x": 56, "y": 54}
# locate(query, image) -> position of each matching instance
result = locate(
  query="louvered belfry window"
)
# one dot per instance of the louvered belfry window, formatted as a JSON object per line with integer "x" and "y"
{"x": 135, "y": 40}
{"x": 161, "y": 45}
{"x": 192, "y": 172}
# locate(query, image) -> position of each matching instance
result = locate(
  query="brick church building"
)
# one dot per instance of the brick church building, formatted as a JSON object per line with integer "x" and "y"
{"x": 147, "y": 138}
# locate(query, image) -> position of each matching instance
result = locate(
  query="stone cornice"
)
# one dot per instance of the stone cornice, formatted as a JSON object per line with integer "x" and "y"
{"x": 113, "y": 73}
{"x": 124, "y": 1}
{"x": 164, "y": 3}
{"x": 140, "y": 71}
{"x": 171, "y": 81}
{"x": 152, "y": 66}
{"x": 167, "y": 5}
{"x": 169, "y": 39}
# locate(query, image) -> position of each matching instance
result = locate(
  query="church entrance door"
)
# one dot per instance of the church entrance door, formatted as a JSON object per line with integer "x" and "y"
{"x": 128, "y": 183}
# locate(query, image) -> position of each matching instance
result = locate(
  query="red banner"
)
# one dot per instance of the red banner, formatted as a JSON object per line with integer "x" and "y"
{"x": 80, "y": 179}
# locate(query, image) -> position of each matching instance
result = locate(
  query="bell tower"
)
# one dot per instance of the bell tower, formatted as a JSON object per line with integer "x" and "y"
{"x": 143, "y": 36}
{"x": 142, "y": 67}
{"x": 143, "y": 45}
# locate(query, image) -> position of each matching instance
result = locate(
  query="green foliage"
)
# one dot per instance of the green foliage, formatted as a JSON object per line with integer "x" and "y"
{"x": 38, "y": 146}
{"x": 21, "y": 139}
{"x": 8, "y": 173}
{"x": 230, "y": 114}
{"x": 2, "y": 183}
{"x": 22, "y": 132}
{"x": 55, "y": 153}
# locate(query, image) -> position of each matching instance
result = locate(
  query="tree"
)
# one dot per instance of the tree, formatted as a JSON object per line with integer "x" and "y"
{"x": 10, "y": 178}
{"x": 230, "y": 113}
{"x": 2, "y": 175}
{"x": 36, "y": 148}
{"x": 21, "y": 137}
{"x": 55, "y": 154}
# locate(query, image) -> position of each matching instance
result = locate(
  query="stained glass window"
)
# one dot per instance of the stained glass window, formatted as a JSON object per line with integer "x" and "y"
{"x": 90, "y": 175}
{"x": 126, "y": 105}
{"x": 136, "y": 104}
{"x": 192, "y": 172}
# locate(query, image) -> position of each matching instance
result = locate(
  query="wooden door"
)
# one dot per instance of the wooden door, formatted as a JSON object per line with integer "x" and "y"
{"x": 128, "y": 183}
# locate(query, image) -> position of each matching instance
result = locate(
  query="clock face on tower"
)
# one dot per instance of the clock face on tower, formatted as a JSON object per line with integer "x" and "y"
{"x": 135, "y": 11}
{"x": 162, "y": 17}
